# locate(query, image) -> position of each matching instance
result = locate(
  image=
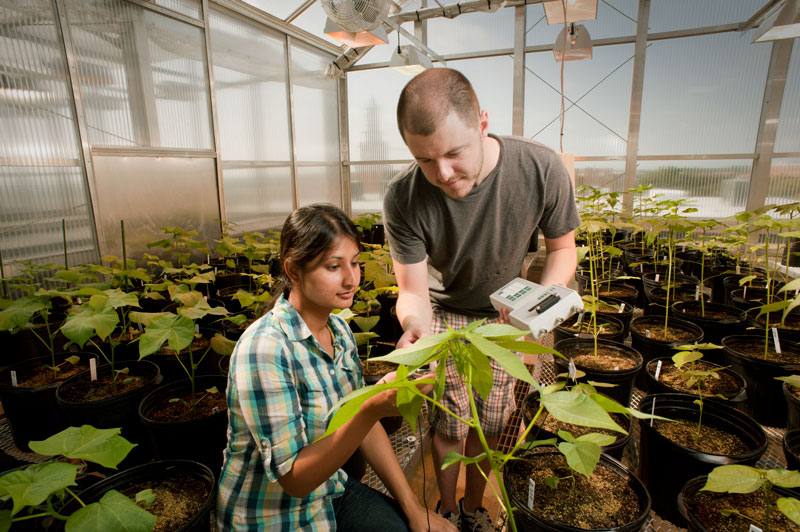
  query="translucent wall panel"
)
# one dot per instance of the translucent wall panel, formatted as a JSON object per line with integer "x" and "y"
{"x": 368, "y": 185}
{"x": 316, "y": 106}
{"x": 41, "y": 175}
{"x": 668, "y": 15}
{"x": 702, "y": 95}
{"x": 190, "y": 8}
{"x": 716, "y": 188}
{"x": 249, "y": 64}
{"x": 788, "y": 137}
{"x": 258, "y": 198}
{"x": 495, "y": 97}
{"x": 784, "y": 181}
{"x": 151, "y": 192}
{"x": 277, "y": 8}
{"x": 372, "y": 103}
{"x": 608, "y": 176}
{"x": 142, "y": 76}
{"x": 597, "y": 101}
{"x": 319, "y": 184}
{"x": 472, "y": 32}
{"x": 615, "y": 18}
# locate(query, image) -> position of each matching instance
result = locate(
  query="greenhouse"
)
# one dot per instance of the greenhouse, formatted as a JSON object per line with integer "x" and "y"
{"x": 400, "y": 265}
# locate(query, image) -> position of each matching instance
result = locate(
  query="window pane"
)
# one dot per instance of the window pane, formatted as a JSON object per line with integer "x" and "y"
{"x": 784, "y": 181}
{"x": 190, "y": 8}
{"x": 368, "y": 185}
{"x": 716, "y": 188}
{"x": 608, "y": 176}
{"x": 249, "y": 64}
{"x": 615, "y": 18}
{"x": 668, "y": 15}
{"x": 597, "y": 101}
{"x": 372, "y": 103}
{"x": 316, "y": 106}
{"x": 258, "y": 198}
{"x": 702, "y": 95}
{"x": 788, "y": 136}
{"x": 277, "y": 8}
{"x": 319, "y": 184}
{"x": 472, "y": 32}
{"x": 495, "y": 96}
{"x": 142, "y": 75}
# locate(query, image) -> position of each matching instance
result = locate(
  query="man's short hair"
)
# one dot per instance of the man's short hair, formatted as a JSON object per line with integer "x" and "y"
{"x": 432, "y": 95}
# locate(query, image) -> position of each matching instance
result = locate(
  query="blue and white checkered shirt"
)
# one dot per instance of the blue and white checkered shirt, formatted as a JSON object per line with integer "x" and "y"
{"x": 281, "y": 385}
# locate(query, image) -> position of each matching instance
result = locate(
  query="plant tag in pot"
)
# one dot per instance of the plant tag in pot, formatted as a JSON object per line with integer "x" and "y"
{"x": 776, "y": 340}
{"x": 580, "y": 318}
{"x": 697, "y": 293}
{"x": 658, "y": 277}
{"x": 196, "y": 328}
{"x": 744, "y": 293}
{"x": 93, "y": 368}
{"x": 738, "y": 269}
{"x": 754, "y": 528}
{"x": 647, "y": 332}
{"x": 573, "y": 371}
{"x": 658, "y": 370}
{"x": 13, "y": 378}
{"x": 532, "y": 491}
{"x": 621, "y": 308}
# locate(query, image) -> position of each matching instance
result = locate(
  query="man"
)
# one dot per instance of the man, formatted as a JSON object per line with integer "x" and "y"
{"x": 459, "y": 222}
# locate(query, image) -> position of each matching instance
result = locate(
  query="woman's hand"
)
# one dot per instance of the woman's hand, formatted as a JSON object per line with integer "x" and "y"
{"x": 418, "y": 521}
{"x": 385, "y": 403}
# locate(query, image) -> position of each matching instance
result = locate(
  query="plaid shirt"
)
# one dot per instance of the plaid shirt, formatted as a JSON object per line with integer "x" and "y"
{"x": 281, "y": 385}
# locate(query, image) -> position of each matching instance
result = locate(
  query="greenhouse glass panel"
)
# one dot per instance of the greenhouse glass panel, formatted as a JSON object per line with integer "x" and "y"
{"x": 615, "y": 18}
{"x": 607, "y": 176}
{"x": 702, "y": 95}
{"x": 42, "y": 181}
{"x": 258, "y": 198}
{"x": 496, "y": 98}
{"x": 276, "y": 8}
{"x": 597, "y": 101}
{"x": 368, "y": 185}
{"x": 372, "y": 104}
{"x": 319, "y": 184}
{"x": 472, "y": 32}
{"x": 788, "y": 135}
{"x": 250, "y": 79}
{"x": 716, "y": 188}
{"x": 669, "y": 15}
{"x": 142, "y": 76}
{"x": 190, "y": 8}
{"x": 784, "y": 182}
{"x": 316, "y": 106}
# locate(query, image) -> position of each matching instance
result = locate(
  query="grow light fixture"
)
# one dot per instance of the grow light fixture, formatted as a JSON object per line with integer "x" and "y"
{"x": 783, "y": 23}
{"x": 408, "y": 60}
{"x": 578, "y": 44}
{"x": 577, "y": 10}
{"x": 356, "y": 39}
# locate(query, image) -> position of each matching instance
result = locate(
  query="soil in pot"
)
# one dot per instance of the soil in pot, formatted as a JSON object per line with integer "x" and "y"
{"x": 672, "y": 379}
{"x": 619, "y": 309}
{"x": 176, "y": 408}
{"x": 711, "y": 440}
{"x": 86, "y": 391}
{"x": 716, "y": 320}
{"x": 172, "y": 370}
{"x": 178, "y": 499}
{"x": 604, "y": 501}
{"x": 619, "y": 290}
{"x": 654, "y": 330}
{"x": 608, "y": 328}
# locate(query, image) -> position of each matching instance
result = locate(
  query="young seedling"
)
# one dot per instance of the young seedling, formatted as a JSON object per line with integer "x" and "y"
{"x": 689, "y": 354}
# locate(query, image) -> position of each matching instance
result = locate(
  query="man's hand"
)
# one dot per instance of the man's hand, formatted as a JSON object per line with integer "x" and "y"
{"x": 418, "y": 521}
{"x": 504, "y": 316}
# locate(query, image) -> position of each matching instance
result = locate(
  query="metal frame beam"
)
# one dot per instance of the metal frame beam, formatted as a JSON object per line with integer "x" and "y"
{"x": 223, "y": 215}
{"x": 518, "y": 91}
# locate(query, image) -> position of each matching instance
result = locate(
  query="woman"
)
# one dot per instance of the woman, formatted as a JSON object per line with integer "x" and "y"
{"x": 286, "y": 372}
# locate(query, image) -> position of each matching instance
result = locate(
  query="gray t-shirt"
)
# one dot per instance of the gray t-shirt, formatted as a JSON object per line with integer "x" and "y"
{"x": 476, "y": 244}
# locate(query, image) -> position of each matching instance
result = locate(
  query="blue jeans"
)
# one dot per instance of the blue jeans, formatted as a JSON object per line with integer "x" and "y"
{"x": 363, "y": 509}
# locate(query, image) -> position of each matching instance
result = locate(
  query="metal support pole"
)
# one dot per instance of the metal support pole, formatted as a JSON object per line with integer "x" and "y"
{"x": 518, "y": 106}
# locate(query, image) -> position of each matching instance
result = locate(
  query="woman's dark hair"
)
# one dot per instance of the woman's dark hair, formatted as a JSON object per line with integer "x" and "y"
{"x": 309, "y": 232}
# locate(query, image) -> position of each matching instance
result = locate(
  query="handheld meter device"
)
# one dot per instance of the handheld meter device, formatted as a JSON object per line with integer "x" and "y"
{"x": 538, "y": 308}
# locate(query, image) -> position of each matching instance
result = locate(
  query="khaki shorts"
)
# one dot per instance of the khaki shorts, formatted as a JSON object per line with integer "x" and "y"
{"x": 493, "y": 413}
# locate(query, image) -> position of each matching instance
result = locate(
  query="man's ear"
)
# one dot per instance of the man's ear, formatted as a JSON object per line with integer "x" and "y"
{"x": 483, "y": 123}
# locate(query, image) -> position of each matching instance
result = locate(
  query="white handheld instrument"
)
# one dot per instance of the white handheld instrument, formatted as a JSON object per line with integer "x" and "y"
{"x": 535, "y": 307}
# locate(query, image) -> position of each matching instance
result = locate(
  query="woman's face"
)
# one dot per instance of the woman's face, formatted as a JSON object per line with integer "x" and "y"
{"x": 332, "y": 279}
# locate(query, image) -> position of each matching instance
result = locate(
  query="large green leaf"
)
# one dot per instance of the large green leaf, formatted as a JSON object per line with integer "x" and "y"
{"x": 19, "y": 313}
{"x": 114, "y": 511}
{"x": 790, "y": 507}
{"x": 200, "y": 309}
{"x": 118, "y": 298}
{"x": 482, "y": 378}
{"x": 32, "y": 485}
{"x": 363, "y": 338}
{"x": 582, "y": 456}
{"x": 529, "y": 348}
{"x": 453, "y": 457}
{"x": 507, "y": 360}
{"x": 685, "y": 357}
{"x": 145, "y": 317}
{"x": 500, "y": 331}
{"x": 733, "y": 479}
{"x": 221, "y": 345}
{"x": 90, "y": 321}
{"x": 790, "y": 286}
{"x": 419, "y": 352}
{"x": 578, "y": 409}
{"x": 366, "y": 323}
{"x": 176, "y": 331}
{"x": 5, "y": 520}
{"x": 103, "y": 446}
{"x": 793, "y": 380}
{"x": 784, "y": 478}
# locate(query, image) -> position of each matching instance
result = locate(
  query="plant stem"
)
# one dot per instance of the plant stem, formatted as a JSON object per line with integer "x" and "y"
{"x": 75, "y": 496}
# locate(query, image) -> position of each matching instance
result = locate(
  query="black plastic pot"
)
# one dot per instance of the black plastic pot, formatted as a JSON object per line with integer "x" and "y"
{"x": 32, "y": 413}
{"x": 619, "y": 290}
{"x": 562, "y": 332}
{"x": 201, "y": 440}
{"x": 527, "y": 520}
{"x": 531, "y": 404}
{"x": 164, "y": 469}
{"x": 624, "y": 379}
{"x": 119, "y": 411}
{"x": 735, "y": 400}
{"x": 657, "y": 298}
{"x": 765, "y": 401}
{"x": 792, "y": 408}
{"x": 625, "y": 315}
{"x": 651, "y": 348}
{"x": 791, "y": 449}
{"x": 714, "y": 329}
{"x": 666, "y": 466}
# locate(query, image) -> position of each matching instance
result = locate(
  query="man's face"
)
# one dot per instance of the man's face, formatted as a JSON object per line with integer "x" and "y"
{"x": 452, "y": 157}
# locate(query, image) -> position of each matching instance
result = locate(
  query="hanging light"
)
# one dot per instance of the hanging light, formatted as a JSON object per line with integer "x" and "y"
{"x": 408, "y": 60}
{"x": 783, "y": 23}
{"x": 354, "y": 39}
{"x": 577, "y": 10}
{"x": 578, "y": 45}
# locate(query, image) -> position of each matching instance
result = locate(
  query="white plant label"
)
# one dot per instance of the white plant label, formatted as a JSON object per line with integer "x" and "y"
{"x": 13, "y": 378}
{"x": 697, "y": 293}
{"x": 215, "y": 270}
{"x": 621, "y": 308}
{"x": 79, "y": 300}
{"x": 647, "y": 332}
{"x": 738, "y": 269}
{"x": 93, "y": 368}
{"x": 776, "y": 340}
{"x": 532, "y": 492}
{"x": 754, "y": 528}
{"x": 653, "y": 412}
{"x": 580, "y": 318}
{"x": 658, "y": 370}
{"x": 215, "y": 410}
{"x": 572, "y": 369}
{"x": 744, "y": 293}
{"x": 658, "y": 277}
{"x": 208, "y": 259}
{"x": 197, "y": 328}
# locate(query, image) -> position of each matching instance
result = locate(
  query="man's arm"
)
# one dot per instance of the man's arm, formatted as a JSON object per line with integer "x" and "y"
{"x": 560, "y": 261}
{"x": 413, "y": 303}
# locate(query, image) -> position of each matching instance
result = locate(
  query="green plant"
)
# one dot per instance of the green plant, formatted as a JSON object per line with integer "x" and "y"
{"x": 181, "y": 242}
{"x": 746, "y": 479}
{"x": 689, "y": 354}
{"x": 35, "y": 489}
